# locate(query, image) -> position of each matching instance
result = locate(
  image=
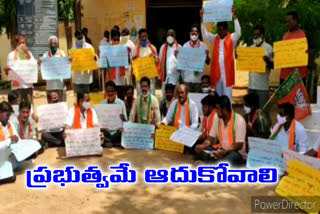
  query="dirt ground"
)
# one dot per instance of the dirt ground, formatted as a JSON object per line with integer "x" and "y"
{"x": 122, "y": 199}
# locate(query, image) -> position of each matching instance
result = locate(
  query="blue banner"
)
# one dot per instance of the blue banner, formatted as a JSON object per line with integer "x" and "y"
{"x": 55, "y": 68}
{"x": 217, "y": 11}
{"x": 191, "y": 59}
{"x": 116, "y": 55}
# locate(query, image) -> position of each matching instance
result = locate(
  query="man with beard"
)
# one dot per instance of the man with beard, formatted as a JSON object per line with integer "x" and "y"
{"x": 167, "y": 100}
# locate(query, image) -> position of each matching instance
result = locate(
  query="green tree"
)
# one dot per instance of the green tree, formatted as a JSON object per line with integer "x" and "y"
{"x": 8, "y": 19}
{"x": 66, "y": 13}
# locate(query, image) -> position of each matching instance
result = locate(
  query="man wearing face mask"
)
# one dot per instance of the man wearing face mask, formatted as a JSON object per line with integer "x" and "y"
{"x": 53, "y": 137}
{"x": 205, "y": 85}
{"x": 223, "y": 63}
{"x": 145, "y": 49}
{"x": 168, "y": 61}
{"x": 145, "y": 108}
{"x": 113, "y": 137}
{"x": 192, "y": 79}
{"x": 83, "y": 79}
{"x": 226, "y": 141}
{"x": 20, "y": 53}
{"x": 55, "y": 85}
{"x": 182, "y": 111}
{"x": 288, "y": 132}
{"x": 259, "y": 82}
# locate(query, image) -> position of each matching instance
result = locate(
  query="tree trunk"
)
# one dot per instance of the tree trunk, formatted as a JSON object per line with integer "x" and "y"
{"x": 13, "y": 32}
{"x": 77, "y": 14}
{"x": 68, "y": 30}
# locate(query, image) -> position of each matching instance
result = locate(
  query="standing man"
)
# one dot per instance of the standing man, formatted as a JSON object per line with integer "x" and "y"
{"x": 259, "y": 82}
{"x": 223, "y": 63}
{"x": 55, "y": 85}
{"x": 182, "y": 111}
{"x": 168, "y": 61}
{"x": 292, "y": 24}
{"x": 105, "y": 40}
{"x": 83, "y": 79}
{"x": 20, "y": 53}
{"x": 85, "y": 32}
{"x": 145, "y": 108}
{"x": 145, "y": 49}
{"x": 125, "y": 40}
{"x": 192, "y": 79}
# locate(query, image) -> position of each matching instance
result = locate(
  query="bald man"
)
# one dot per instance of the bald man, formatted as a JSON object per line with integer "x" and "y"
{"x": 182, "y": 111}
{"x": 58, "y": 84}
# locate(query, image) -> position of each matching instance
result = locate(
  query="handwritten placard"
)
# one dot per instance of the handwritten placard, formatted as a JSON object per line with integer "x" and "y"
{"x": 163, "y": 141}
{"x": 191, "y": 59}
{"x": 137, "y": 136}
{"x": 83, "y": 59}
{"x": 6, "y": 170}
{"x": 96, "y": 98}
{"x": 53, "y": 68}
{"x": 301, "y": 184}
{"x": 264, "y": 153}
{"x": 217, "y": 11}
{"x": 83, "y": 142}
{"x": 290, "y": 53}
{"x": 291, "y": 155}
{"x": 109, "y": 116}
{"x": 186, "y": 136}
{"x": 25, "y": 71}
{"x": 117, "y": 56}
{"x": 197, "y": 97}
{"x": 144, "y": 67}
{"x": 251, "y": 59}
{"x": 24, "y": 149}
{"x": 52, "y": 116}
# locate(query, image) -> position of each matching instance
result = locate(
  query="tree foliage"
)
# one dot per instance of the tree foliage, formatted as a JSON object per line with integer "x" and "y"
{"x": 8, "y": 14}
{"x": 65, "y": 10}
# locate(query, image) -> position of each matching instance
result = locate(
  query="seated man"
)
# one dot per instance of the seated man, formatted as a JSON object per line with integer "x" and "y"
{"x": 288, "y": 132}
{"x": 14, "y": 100}
{"x": 205, "y": 85}
{"x": 258, "y": 123}
{"x": 315, "y": 150}
{"x": 8, "y": 133}
{"x": 113, "y": 137}
{"x": 182, "y": 111}
{"x": 145, "y": 109}
{"x": 226, "y": 141}
{"x": 129, "y": 99}
{"x": 167, "y": 100}
{"x": 53, "y": 137}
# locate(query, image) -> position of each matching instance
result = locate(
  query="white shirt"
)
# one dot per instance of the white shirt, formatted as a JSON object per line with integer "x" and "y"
{"x": 10, "y": 63}
{"x": 132, "y": 46}
{"x": 212, "y": 37}
{"x": 171, "y": 65}
{"x": 301, "y": 138}
{"x": 82, "y": 77}
{"x": 55, "y": 84}
{"x": 260, "y": 81}
{"x": 194, "y": 115}
{"x": 189, "y": 76}
{"x": 104, "y": 42}
{"x": 144, "y": 51}
{"x": 316, "y": 146}
{"x": 6, "y": 143}
{"x": 83, "y": 118}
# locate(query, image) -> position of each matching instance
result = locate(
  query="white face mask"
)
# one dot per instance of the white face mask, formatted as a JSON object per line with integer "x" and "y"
{"x": 281, "y": 120}
{"x": 79, "y": 43}
{"x": 257, "y": 41}
{"x": 246, "y": 109}
{"x": 205, "y": 90}
{"x": 86, "y": 105}
{"x": 170, "y": 40}
{"x": 145, "y": 95}
{"x": 194, "y": 37}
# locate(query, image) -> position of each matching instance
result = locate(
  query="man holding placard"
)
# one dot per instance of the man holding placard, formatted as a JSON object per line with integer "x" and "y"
{"x": 182, "y": 111}
{"x": 145, "y": 49}
{"x": 192, "y": 79}
{"x": 226, "y": 141}
{"x": 113, "y": 137}
{"x": 315, "y": 150}
{"x": 20, "y": 53}
{"x": 223, "y": 62}
{"x": 259, "y": 82}
{"x": 58, "y": 84}
{"x": 145, "y": 108}
{"x": 288, "y": 132}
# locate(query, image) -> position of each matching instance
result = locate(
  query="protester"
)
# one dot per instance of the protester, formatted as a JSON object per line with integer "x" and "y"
{"x": 182, "y": 111}
{"x": 21, "y": 52}
{"x": 55, "y": 85}
{"x": 113, "y": 137}
{"x": 167, "y": 99}
{"x": 129, "y": 99}
{"x": 315, "y": 150}
{"x": 223, "y": 63}
{"x": 192, "y": 79}
{"x": 226, "y": 141}
{"x": 85, "y": 32}
{"x": 259, "y": 82}
{"x": 205, "y": 85}
{"x": 288, "y": 132}
{"x": 145, "y": 108}
{"x": 105, "y": 40}
{"x": 125, "y": 40}
{"x": 145, "y": 49}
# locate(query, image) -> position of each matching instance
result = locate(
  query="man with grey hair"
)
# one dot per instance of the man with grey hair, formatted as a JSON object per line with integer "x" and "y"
{"x": 58, "y": 84}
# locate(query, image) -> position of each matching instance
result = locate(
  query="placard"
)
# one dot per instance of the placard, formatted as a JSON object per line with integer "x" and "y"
{"x": 217, "y": 11}
{"x": 83, "y": 59}
{"x": 186, "y": 136}
{"x": 191, "y": 59}
{"x": 25, "y": 71}
{"x": 163, "y": 141}
{"x": 115, "y": 55}
{"x": 251, "y": 59}
{"x": 144, "y": 67}
{"x": 52, "y": 116}
{"x": 109, "y": 116}
{"x": 54, "y": 68}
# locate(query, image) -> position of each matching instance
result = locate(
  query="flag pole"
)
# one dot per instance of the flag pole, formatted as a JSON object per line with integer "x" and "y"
{"x": 267, "y": 103}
